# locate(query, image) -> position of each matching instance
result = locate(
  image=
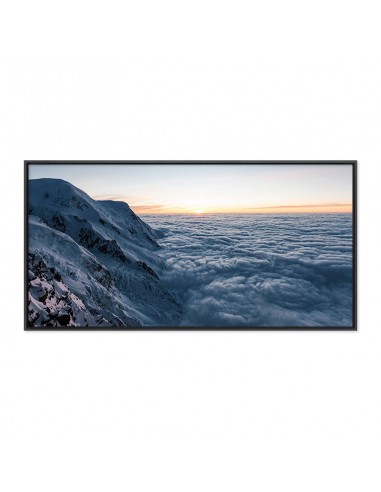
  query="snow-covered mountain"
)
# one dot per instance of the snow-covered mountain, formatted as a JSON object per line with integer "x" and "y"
{"x": 92, "y": 262}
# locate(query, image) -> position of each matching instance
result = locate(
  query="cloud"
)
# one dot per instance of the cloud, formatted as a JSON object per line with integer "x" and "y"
{"x": 290, "y": 270}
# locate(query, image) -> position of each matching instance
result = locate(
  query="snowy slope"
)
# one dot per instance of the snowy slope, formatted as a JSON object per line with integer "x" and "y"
{"x": 104, "y": 256}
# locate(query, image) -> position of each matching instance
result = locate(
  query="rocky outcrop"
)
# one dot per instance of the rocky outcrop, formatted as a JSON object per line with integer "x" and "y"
{"x": 93, "y": 240}
{"x": 147, "y": 269}
{"x": 50, "y": 302}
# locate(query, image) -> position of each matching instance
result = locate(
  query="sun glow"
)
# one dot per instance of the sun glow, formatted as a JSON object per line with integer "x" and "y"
{"x": 199, "y": 211}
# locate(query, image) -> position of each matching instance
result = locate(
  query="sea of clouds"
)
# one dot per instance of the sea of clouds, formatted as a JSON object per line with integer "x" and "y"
{"x": 259, "y": 270}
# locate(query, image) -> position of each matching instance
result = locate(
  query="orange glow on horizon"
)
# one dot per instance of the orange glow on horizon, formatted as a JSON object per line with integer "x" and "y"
{"x": 283, "y": 209}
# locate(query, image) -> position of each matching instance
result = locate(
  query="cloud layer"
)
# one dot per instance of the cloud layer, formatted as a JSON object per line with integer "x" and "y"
{"x": 259, "y": 270}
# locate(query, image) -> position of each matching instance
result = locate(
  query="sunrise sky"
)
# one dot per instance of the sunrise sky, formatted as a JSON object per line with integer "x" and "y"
{"x": 223, "y": 188}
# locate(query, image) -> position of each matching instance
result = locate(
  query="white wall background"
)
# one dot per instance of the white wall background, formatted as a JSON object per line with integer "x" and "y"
{"x": 190, "y": 411}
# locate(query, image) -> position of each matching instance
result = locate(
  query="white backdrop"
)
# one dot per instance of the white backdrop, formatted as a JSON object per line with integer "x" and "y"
{"x": 190, "y": 411}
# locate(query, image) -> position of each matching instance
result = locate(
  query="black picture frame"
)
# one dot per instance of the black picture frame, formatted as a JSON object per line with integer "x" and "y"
{"x": 352, "y": 163}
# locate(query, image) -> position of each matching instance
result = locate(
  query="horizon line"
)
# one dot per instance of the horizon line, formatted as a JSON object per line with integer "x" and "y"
{"x": 200, "y": 214}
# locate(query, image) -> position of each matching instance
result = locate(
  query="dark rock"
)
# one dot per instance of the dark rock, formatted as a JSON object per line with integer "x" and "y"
{"x": 43, "y": 297}
{"x": 58, "y": 223}
{"x": 63, "y": 319}
{"x": 90, "y": 239}
{"x": 148, "y": 269}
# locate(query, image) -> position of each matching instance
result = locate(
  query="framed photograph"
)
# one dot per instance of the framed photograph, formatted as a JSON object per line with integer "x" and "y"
{"x": 190, "y": 245}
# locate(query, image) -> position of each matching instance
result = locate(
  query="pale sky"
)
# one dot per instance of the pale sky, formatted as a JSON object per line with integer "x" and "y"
{"x": 206, "y": 188}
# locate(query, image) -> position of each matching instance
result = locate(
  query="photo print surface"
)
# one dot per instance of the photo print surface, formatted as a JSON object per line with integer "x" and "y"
{"x": 189, "y": 245}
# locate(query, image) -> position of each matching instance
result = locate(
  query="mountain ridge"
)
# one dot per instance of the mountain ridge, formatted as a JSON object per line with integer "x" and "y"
{"x": 104, "y": 255}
